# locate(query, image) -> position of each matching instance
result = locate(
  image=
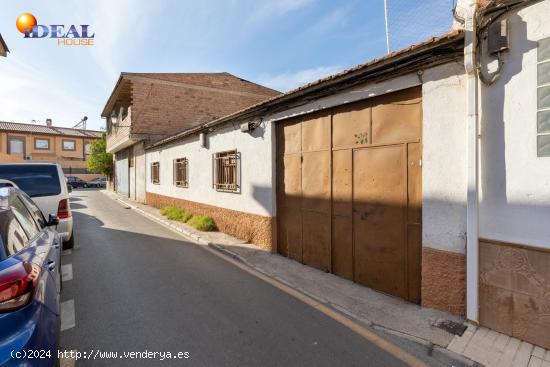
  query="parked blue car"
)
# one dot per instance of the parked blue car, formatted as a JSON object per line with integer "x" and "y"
{"x": 30, "y": 282}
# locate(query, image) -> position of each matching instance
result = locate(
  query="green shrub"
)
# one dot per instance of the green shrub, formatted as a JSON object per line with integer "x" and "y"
{"x": 202, "y": 223}
{"x": 175, "y": 213}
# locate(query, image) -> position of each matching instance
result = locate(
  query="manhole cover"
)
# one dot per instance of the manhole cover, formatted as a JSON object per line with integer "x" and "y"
{"x": 452, "y": 327}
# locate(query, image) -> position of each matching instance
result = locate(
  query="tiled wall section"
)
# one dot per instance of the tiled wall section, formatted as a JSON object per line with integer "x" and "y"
{"x": 443, "y": 280}
{"x": 515, "y": 291}
{"x": 252, "y": 228}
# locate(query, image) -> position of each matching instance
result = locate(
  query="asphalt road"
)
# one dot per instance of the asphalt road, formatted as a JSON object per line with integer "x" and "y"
{"x": 139, "y": 287}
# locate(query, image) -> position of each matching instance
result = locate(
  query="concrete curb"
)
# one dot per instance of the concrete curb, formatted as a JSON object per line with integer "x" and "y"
{"x": 437, "y": 352}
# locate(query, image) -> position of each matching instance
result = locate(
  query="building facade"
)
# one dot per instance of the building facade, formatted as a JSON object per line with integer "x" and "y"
{"x": 146, "y": 107}
{"x": 411, "y": 174}
{"x": 46, "y": 143}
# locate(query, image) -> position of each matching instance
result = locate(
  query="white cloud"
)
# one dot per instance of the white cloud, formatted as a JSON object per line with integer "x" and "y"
{"x": 290, "y": 80}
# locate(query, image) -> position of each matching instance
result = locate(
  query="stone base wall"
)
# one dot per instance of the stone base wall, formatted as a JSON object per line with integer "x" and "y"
{"x": 444, "y": 280}
{"x": 514, "y": 290}
{"x": 252, "y": 228}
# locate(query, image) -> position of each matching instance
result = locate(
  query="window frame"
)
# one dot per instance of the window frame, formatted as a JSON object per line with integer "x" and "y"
{"x": 540, "y": 110}
{"x": 18, "y": 138}
{"x": 226, "y": 171}
{"x": 14, "y": 229}
{"x": 42, "y": 139}
{"x": 35, "y": 211}
{"x": 63, "y": 141}
{"x": 157, "y": 165}
{"x": 29, "y": 225}
{"x": 185, "y": 180}
{"x": 87, "y": 144}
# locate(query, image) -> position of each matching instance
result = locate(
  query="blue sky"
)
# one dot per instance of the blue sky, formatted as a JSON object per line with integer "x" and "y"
{"x": 279, "y": 43}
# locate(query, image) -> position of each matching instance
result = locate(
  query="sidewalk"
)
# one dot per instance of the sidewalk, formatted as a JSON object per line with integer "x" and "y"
{"x": 385, "y": 313}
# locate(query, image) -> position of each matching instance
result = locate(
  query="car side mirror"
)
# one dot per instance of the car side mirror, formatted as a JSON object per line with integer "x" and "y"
{"x": 53, "y": 220}
{"x": 69, "y": 188}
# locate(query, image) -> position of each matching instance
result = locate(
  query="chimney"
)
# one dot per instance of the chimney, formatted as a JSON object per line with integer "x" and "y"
{"x": 49, "y": 122}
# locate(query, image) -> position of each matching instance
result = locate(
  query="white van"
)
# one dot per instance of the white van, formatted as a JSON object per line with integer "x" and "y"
{"x": 45, "y": 183}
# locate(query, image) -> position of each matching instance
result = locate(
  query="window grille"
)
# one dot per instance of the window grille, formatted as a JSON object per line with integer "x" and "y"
{"x": 181, "y": 178}
{"x": 226, "y": 171}
{"x": 155, "y": 173}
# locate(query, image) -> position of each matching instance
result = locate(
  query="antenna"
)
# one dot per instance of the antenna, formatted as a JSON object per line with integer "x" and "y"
{"x": 82, "y": 124}
{"x": 387, "y": 26}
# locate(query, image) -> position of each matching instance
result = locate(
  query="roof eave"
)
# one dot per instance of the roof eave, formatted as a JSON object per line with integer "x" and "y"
{"x": 108, "y": 106}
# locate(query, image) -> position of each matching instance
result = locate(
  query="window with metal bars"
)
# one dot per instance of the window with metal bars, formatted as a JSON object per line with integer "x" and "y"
{"x": 155, "y": 173}
{"x": 226, "y": 168}
{"x": 180, "y": 172}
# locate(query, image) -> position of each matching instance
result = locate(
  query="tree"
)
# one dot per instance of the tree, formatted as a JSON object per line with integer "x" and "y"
{"x": 99, "y": 161}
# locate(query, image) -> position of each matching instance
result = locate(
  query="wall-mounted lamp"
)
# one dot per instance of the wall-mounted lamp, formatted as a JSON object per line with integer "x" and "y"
{"x": 202, "y": 140}
{"x": 114, "y": 118}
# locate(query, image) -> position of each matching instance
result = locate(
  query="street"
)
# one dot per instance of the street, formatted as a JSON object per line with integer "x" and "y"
{"x": 139, "y": 287}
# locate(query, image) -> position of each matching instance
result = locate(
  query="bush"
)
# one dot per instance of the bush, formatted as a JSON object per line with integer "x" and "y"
{"x": 175, "y": 213}
{"x": 202, "y": 223}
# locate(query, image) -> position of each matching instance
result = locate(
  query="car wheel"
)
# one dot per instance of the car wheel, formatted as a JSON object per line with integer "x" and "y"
{"x": 69, "y": 244}
{"x": 85, "y": 186}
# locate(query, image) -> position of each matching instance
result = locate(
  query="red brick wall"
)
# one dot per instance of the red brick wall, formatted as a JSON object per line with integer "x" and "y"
{"x": 165, "y": 108}
{"x": 252, "y": 228}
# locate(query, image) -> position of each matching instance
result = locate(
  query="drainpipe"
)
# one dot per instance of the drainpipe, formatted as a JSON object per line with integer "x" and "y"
{"x": 472, "y": 206}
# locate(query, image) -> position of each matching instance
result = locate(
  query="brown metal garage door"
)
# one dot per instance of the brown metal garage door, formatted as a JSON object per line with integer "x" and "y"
{"x": 349, "y": 191}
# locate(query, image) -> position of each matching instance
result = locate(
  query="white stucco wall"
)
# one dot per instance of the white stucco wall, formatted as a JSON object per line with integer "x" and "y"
{"x": 444, "y": 158}
{"x": 515, "y": 183}
{"x": 255, "y": 196}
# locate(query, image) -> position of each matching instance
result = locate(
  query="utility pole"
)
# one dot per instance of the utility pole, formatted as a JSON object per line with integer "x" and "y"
{"x": 387, "y": 26}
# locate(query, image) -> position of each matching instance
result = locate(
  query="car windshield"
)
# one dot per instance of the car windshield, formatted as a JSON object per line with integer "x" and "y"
{"x": 36, "y": 180}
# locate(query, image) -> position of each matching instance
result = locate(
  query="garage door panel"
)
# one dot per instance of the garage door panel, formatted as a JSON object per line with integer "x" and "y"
{"x": 316, "y": 133}
{"x": 397, "y": 122}
{"x": 342, "y": 182}
{"x": 414, "y": 260}
{"x": 378, "y": 176}
{"x": 342, "y": 247}
{"x": 379, "y": 238}
{"x": 291, "y": 134}
{"x": 316, "y": 240}
{"x": 351, "y": 125}
{"x": 291, "y": 233}
{"x": 385, "y": 277}
{"x": 292, "y": 185}
{"x": 414, "y": 185}
{"x": 121, "y": 165}
{"x": 316, "y": 183}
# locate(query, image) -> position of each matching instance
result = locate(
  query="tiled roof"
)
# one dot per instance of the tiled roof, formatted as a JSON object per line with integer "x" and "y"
{"x": 42, "y": 129}
{"x": 225, "y": 81}
{"x": 394, "y": 58}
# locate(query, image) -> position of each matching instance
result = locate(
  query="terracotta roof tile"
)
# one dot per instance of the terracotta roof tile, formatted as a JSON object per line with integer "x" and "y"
{"x": 42, "y": 129}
